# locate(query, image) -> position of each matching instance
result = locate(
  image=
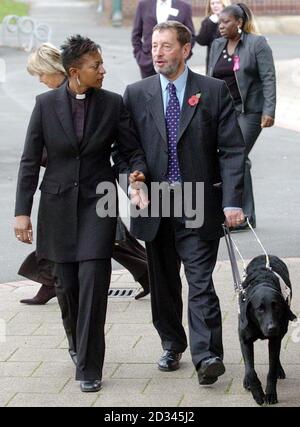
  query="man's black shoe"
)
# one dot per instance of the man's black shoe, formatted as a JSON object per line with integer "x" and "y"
{"x": 73, "y": 355}
{"x": 169, "y": 361}
{"x": 90, "y": 386}
{"x": 209, "y": 370}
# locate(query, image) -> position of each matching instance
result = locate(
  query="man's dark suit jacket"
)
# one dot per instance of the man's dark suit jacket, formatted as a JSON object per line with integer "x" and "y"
{"x": 144, "y": 22}
{"x": 210, "y": 147}
{"x": 69, "y": 229}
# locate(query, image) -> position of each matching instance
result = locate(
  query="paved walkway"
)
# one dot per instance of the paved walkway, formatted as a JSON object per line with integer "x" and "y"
{"x": 35, "y": 368}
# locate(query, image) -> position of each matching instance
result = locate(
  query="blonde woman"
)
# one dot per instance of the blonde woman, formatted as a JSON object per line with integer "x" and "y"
{"x": 209, "y": 29}
{"x": 45, "y": 63}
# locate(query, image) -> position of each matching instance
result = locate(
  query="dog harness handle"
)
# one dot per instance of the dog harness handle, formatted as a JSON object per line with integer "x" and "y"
{"x": 261, "y": 245}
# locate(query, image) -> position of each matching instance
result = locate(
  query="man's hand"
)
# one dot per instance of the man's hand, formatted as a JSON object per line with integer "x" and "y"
{"x": 266, "y": 121}
{"x": 139, "y": 198}
{"x": 234, "y": 217}
{"x": 136, "y": 178}
{"x": 23, "y": 229}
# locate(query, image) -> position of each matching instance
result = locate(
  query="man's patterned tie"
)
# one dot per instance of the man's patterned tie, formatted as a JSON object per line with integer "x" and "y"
{"x": 172, "y": 123}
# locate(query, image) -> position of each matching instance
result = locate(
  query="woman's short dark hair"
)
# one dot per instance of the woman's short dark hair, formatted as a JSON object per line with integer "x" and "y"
{"x": 74, "y": 48}
{"x": 184, "y": 35}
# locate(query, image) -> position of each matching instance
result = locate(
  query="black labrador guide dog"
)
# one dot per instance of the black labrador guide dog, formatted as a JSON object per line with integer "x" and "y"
{"x": 264, "y": 314}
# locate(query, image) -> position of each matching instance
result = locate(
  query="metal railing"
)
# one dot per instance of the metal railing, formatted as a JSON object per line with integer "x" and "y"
{"x": 258, "y": 7}
{"x": 29, "y": 33}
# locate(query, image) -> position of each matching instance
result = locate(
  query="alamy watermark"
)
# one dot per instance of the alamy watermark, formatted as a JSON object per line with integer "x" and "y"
{"x": 184, "y": 200}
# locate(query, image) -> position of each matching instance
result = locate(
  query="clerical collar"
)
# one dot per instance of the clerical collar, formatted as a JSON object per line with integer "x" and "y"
{"x": 78, "y": 96}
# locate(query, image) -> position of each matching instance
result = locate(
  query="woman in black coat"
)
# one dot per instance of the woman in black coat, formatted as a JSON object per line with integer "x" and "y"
{"x": 45, "y": 63}
{"x": 77, "y": 124}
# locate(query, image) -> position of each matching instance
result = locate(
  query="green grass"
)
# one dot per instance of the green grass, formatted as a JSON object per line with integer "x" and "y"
{"x": 11, "y": 7}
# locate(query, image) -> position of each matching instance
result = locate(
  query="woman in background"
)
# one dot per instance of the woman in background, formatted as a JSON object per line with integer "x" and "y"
{"x": 244, "y": 60}
{"x": 45, "y": 63}
{"x": 209, "y": 29}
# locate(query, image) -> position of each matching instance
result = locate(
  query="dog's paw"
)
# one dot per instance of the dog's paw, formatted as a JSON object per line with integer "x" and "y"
{"x": 280, "y": 373}
{"x": 258, "y": 395}
{"x": 271, "y": 398}
{"x": 246, "y": 384}
{"x": 252, "y": 383}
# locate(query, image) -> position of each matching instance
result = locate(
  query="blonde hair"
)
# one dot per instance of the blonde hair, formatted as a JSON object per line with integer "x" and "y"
{"x": 208, "y": 10}
{"x": 45, "y": 60}
{"x": 250, "y": 25}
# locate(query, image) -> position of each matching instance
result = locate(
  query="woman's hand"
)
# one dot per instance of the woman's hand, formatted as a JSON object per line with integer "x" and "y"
{"x": 139, "y": 198}
{"x": 136, "y": 178}
{"x": 23, "y": 229}
{"x": 267, "y": 121}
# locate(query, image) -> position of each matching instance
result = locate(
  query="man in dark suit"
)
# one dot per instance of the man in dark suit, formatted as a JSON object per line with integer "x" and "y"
{"x": 77, "y": 123}
{"x": 189, "y": 133}
{"x": 148, "y": 14}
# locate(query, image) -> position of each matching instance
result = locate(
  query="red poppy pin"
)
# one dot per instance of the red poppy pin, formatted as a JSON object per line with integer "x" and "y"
{"x": 194, "y": 99}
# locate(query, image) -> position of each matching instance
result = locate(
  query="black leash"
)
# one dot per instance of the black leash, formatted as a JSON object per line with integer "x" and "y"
{"x": 234, "y": 267}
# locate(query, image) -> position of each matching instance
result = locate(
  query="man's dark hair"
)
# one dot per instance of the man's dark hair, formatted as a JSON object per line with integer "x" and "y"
{"x": 74, "y": 48}
{"x": 184, "y": 35}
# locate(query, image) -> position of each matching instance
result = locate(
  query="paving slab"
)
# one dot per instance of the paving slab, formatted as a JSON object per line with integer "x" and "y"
{"x": 18, "y": 369}
{"x": 32, "y": 400}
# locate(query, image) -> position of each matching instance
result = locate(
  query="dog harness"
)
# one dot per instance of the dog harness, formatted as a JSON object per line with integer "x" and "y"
{"x": 238, "y": 283}
{"x": 285, "y": 290}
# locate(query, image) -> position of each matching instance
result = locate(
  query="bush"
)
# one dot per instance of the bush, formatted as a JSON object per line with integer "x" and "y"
{"x": 12, "y": 7}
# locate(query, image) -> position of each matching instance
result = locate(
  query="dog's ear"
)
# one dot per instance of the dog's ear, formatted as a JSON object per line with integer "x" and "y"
{"x": 247, "y": 326}
{"x": 244, "y": 308}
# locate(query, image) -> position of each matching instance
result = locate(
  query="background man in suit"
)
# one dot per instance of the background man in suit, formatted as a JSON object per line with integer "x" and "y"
{"x": 148, "y": 14}
{"x": 189, "y": 133}
{"x": 77, "y": 123}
